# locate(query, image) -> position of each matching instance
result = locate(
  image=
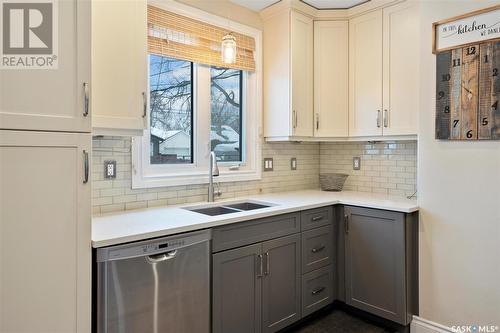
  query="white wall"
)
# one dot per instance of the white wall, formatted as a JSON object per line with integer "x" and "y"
{"x": 459, "y": 195}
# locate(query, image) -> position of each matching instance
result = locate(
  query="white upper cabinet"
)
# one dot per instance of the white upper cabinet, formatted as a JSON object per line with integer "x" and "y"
{"x": 302, "y": 74}
{"x": 288, "y": 75}
{"x": 119, "y": 66}
{"x": 365, "y": 75}
{"x": 54, "y": 99}
{"x": 384, "y": 71}
{"x": 401, "y": 69}
{"x": 331, "y": 76}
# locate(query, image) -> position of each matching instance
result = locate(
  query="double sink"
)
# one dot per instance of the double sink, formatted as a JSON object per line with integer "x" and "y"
{"x": 229, "y": 208}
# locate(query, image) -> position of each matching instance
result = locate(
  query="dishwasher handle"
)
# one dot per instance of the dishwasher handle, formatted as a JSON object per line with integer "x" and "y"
{"x": 156, "y": 258}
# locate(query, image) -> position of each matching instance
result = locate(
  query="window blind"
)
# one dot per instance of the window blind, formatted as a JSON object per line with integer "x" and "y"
{"x": 181, "y": 37}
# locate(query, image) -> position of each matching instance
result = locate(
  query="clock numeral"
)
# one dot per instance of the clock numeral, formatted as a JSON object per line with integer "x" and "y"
{"x": 447, "y": 109}
{"x": 486, "y": 59}
{"x": 440, "y": 94}
{"x": 485, "y": 121}
{"x": 469, "y": 134}
{"x": 495, "y": 72}
{"x": 471, "y": 50}
{"x": 455, "y": 123}
{"x": 495, "y": 106}
{"x": 456, "y": 62}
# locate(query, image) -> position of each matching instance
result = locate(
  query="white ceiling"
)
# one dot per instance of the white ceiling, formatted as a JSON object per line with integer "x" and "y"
{"x": 333, "y": 4}
{"x": 258, "y": 5}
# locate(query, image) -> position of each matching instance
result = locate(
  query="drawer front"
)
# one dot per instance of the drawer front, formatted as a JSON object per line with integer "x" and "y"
{"x": 244, "y": 233}
{"x": 317, "y": 290}
{"x": 317, "y": 248}
{"x": 314, "y": 218}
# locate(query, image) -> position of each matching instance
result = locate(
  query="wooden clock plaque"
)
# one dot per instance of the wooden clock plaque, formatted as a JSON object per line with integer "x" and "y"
{"x": 468, "y": 80}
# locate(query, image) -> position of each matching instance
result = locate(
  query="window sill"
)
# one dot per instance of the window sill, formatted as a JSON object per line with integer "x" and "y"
{"x": 195, "y": 178}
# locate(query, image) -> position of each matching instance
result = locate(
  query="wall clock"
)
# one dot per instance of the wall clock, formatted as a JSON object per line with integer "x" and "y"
{"x": 467, "y": 76}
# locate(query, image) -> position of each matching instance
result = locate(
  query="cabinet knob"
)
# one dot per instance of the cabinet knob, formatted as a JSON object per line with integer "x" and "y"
{"x": 378, "y": 118}
{"x": 386, "y": 118}
{"x": 85, "y": 167}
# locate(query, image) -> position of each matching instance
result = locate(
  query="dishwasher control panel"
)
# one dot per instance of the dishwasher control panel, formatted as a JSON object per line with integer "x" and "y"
{"x": 150, "y": 247}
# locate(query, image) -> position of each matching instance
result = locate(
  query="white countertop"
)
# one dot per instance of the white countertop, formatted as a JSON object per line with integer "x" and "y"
{"x": 116, "y": 228}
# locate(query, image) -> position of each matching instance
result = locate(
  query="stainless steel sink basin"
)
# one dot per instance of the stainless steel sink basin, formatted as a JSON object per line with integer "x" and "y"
{"x": 229, "y": 208}
{"x": 214, "y": 211}
{"x": 247, "y": 206}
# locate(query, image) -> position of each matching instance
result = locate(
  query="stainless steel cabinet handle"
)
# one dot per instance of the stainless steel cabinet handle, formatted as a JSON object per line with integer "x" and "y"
{"x": 85, "y": 167}
{"x": 317, "y": 290}
{"x": 386, "y": 118}
{"x": 317, "y": 249}
{"x": 378, "y": 118}
{"x": 317, "y": 121}
{"x": 85, "y": 99}
{"x": 144, "y": 105}
{"x": 261, "y": 266}
{"x": 154, "y": 259}
{"x": 346, "y": 224}
{"x": 317, "y": 218}
{"x": 267, "y": 264}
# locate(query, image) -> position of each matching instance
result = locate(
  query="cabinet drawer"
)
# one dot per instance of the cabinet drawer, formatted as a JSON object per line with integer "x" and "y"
{"x": 316, "y": 217}
{"x": 317, "y": 287}
{"x": 244, "y": 233}
{"x": 317, "y": 248}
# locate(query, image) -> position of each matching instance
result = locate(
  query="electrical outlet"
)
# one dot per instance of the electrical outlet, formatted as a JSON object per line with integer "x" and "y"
{"x": 293, "y": 163}
{"x": 110, "y": 169}
{"x": 356, "y": 163}
{"x": 268, "y": 164}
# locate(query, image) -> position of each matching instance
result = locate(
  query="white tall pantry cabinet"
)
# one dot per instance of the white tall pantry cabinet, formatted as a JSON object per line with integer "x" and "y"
{"x": 45, "y": 222}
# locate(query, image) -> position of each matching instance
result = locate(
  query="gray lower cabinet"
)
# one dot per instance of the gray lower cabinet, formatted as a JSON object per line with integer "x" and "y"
{"x": 317, "y": 290}
{"x": 376, "y": 256}
{"x": 237, "y": 290}
{"x": 281, "y": 283}
{"x": 256, "y": 288}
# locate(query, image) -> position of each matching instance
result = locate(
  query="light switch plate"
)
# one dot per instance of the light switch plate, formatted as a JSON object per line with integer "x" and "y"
{"x": 293, "y": 163}
{"x": 109, "y": 169}
{"x": 268, "y": 164}
{"x": 356, "y": 163}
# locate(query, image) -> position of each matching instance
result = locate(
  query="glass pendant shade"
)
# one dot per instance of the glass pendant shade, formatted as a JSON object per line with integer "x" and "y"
{"x": 228, "y": 49}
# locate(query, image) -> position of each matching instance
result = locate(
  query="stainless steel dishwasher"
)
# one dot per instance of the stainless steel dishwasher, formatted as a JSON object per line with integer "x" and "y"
{"x": 155, "y": 286}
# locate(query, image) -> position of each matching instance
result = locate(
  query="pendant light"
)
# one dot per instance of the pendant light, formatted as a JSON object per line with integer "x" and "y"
{"x": 228, "y": 44}
{"x": 228, "y": 49}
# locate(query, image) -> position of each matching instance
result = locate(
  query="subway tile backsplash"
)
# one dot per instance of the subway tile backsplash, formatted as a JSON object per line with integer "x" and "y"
{"x": 388, "y": 167}
{"x": 118, "y": 195}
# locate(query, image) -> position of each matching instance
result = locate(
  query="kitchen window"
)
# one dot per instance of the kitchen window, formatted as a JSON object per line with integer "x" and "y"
{"x": 196, "y": 105}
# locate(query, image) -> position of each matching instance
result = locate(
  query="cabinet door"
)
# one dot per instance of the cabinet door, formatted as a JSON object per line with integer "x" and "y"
{"x": 281, "y": 283}
{"x": 401, "y": 69}
{"x": 119, "y": 66}
{"x": 237, "y": 290}
{"x": 53, "y": 99}
{"x": 375, "y": 262}
{"x": 302, "y": 74}
{"x": 331, "y": 77}
{"x": 45, "y": 252}
{"x": 365, "y": 75}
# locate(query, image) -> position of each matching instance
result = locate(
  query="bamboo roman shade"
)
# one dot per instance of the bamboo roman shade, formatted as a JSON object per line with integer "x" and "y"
{"x": 180, "y": 37}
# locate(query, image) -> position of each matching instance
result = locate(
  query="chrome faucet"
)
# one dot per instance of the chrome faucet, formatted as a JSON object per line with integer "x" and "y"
{"x": 213, "y": 171}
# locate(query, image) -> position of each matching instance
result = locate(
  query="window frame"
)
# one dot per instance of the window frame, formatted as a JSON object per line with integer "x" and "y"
{"x": 146, "y": 175}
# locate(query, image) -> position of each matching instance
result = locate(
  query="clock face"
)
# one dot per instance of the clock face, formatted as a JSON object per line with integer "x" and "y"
{"x": 467, "y": 93}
